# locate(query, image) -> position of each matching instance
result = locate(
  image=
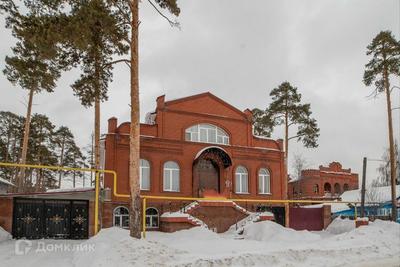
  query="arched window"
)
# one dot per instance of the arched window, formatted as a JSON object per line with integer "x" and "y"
{"x": 241, "y": 180}
{"x": 144, "y": 175}
{"x": 327, "y": 188}
{"x": 121, "y": 217}
{"x": 151, "y": 218}
{"x": 264, "y": 184}
{"x": 336, "y": 187}
{"x": 316, "y": 188}
{"x": 171, "y": 176}
{"x": 206, "y": 133}
{"x": 345, "y": 187}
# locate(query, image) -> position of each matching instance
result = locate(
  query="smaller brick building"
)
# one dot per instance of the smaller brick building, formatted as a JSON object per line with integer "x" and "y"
{"x": 323, "y": 183}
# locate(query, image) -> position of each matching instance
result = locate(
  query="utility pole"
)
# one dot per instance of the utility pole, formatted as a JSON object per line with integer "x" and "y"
{"x": 364, "y": 175}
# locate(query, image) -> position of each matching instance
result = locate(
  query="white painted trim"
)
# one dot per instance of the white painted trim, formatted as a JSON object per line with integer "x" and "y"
{"x": 204, "y": 149}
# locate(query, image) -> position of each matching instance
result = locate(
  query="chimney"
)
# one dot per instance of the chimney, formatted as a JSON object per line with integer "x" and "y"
{"x": 248, "y": 114}
{"x": 112, "y": 125}
{"x": 161, "y": 101}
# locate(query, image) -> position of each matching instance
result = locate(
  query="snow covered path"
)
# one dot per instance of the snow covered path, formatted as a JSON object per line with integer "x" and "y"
{"x": 263, "y": 244}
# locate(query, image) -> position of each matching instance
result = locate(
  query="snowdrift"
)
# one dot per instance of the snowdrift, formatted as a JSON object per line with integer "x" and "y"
{"x": 4, "y": 235}
{"x": 271, "y": 231}
{"x": 340, "y": 226}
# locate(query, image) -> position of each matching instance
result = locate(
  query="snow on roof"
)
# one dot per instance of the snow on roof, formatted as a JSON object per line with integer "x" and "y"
{"x": 4, "y": 181}
{"x": 379, "y": 194}
{"x": 174, "y": 215}
{"x": 79, "y": 189}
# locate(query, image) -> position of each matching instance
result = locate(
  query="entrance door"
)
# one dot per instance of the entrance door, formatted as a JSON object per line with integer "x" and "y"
{"x": 207, "y": 173}
{"x": 44, "y": 218}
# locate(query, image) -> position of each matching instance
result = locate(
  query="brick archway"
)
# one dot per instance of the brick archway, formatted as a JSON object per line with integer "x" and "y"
{"x": 209, "y": 171}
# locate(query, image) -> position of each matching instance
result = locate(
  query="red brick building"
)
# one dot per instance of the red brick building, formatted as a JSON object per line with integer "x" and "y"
{"x": 322, "y": 183}
{"x": 191, "y": 147}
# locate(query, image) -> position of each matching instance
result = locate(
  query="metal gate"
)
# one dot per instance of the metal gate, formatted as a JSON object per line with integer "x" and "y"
{"x": 311, "y": 219}
{"x": 49, "y": 218}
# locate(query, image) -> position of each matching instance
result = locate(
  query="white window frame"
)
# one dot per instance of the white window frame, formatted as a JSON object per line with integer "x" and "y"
{"x": 171, "y": 172}
{"x": 265, "y": 178}
{"x": 151, "y": 218}
{"x": 239, "y": 177}
{"x": 193, "y": 134}
{"x": 141, "y": 174}
{"x": 121, "y": 216}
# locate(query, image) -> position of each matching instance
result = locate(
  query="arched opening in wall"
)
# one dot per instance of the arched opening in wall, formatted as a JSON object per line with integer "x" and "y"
{"x": 152, "y": 218}
{"x": 337, "y": 189}
{"x": 327, "y": 188}
{"x": 121, "y": 217}
{"x": 345, "y": 187}
{"x": 208, "y": 168}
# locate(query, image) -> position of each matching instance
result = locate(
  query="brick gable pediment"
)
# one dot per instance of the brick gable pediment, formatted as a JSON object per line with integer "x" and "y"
{"x": 205, "y": 103}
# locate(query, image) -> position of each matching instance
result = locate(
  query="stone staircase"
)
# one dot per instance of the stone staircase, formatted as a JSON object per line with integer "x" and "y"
{"x": 217, "y": 215}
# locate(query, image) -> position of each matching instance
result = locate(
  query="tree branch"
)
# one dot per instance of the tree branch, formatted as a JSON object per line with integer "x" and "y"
{"x": 126, "y": 61}
{"x": 172, "y": 23}
{"x": 296, "y": 136}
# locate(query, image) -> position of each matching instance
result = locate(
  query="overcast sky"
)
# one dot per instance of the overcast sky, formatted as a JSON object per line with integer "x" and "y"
{"x": 239, "y": 51}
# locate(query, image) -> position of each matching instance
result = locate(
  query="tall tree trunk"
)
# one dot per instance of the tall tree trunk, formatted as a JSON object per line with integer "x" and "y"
{"x": 97, "y": 133}
{"x": 61, "y": 161}
{"x": 134, "y": 141}
{"x": 21, "y": 176}
{"x": 391, "y": 144}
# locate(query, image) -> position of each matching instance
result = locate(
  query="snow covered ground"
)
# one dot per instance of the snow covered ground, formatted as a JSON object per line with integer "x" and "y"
{"x": 261, "y": 244}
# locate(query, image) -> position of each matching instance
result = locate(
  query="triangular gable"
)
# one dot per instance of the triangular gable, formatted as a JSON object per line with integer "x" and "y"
{"x": 205, "y": 103}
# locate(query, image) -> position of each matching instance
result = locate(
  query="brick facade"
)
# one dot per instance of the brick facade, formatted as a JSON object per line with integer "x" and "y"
{"x": 163, "y": 139}
{"x": 326, "y": 182}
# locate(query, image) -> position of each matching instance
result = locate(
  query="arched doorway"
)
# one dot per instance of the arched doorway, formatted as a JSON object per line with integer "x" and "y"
{"x": 208, "y": 170}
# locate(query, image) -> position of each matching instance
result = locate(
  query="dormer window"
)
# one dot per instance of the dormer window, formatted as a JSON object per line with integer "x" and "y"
{"x": 206, "y": 133}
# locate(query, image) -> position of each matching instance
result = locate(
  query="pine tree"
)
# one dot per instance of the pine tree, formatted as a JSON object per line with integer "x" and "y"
{"x": 262, "y": 125}
{"x": 11, "y": 127}
{"x": 64, "y": 144}
{"x": 41, "y": 151}
{"x": 97, "y": 40}
{"x": 385, "y": 52}
{"x": 32, "y": 66}
{"x": 286, "y": 109}
{"x": 128, "y": 12}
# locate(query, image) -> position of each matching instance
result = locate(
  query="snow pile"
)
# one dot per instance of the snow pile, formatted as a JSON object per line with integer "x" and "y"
{"x": 114, "y": 247}
{"x": 265, "y": 244}
{"x": 271, "y": 231}
{"x": 340, "y": 226}
{"x": 195, "y": 233}
{"x": 4, "y": 235}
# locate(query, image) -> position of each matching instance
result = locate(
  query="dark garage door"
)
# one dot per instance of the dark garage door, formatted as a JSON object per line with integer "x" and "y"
{"x": 47, "y": 218}
{"x": 306, "y": 218}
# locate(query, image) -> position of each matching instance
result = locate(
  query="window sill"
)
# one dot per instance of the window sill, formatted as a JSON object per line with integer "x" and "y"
{"x": 147, "y": 190}
{"x": 170, "y": 191}
{"x": 265, "y": 194}
{"x": 242, "y": 193}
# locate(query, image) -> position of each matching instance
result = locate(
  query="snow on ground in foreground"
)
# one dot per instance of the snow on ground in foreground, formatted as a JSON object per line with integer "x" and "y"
{"x": 4, "y": 235}
{"x": 263, "y": 244}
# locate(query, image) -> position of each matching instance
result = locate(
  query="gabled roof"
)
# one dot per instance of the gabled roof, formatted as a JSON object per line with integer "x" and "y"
{"x": 202, "y": 95}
